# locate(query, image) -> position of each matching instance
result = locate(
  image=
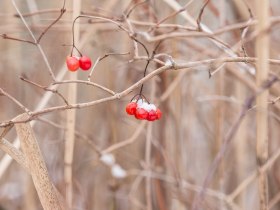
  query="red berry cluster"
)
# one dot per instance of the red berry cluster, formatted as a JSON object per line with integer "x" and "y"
{"x": 142, "y": 110}
{"x": 73, "y": 63}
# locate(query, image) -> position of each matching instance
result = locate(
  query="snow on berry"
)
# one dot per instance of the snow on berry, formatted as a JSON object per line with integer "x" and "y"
{"x": 141, "y": 114}
{"x": 140, "y": 102}
{"x": 152, "y": 115}
{"x": 142, "y": 110}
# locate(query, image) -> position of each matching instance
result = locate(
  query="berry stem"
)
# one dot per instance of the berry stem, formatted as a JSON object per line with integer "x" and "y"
{"x": 148, "y": 62}
{"x": 146, "y": 67}
{"x": 121, "y": 27}
{"x": 73, "y": 38}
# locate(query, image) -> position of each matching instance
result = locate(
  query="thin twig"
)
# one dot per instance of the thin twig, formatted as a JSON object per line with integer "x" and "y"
{"x": 100, "y": 59}
{"x": 134, "y": 7}
{"x": 126, "y": 142}
{"x": 86, "y": 83}
{"x": 78, "y": 134}
{"x": 227, "y": 140}
{"x": 172, "y": 15}
{"x": 62, "y": 11}
{"x": 5, "y": 36}
{"x": 55, "y": 91}
{"x": 198, "y": 21}
{"x": 244, "y": 184}
{"x": 35, "y": 40}
{"x": 13, "y": 99}
{"x": 137, "y": 84}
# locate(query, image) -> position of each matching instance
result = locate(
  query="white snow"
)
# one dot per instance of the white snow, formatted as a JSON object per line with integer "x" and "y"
{"x": 118, "y": 172}
{"x": 108, "y": 159}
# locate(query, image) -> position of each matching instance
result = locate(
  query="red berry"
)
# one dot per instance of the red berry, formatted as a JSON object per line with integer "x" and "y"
{"x": 131, "y": 108}
{"x": 72, "y": 63}
{"x": 85, "y": 63}
{"x": 158, "y": 113}
{"x": 141, "y": 114}
{"x": 152, "y": 115}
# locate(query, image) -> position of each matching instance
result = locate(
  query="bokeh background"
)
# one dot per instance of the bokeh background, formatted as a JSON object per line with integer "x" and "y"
{"x": 166, "y": 161}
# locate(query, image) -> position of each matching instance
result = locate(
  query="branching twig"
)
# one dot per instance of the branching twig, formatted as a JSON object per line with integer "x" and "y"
{"x": 86, "y": 83}
{"x": 227, "y": 140}
{"x": 100, "y": 59}
{"x": 130, "y": 10}
{"x": 62, "y": 11}
{"x": 136, "y": 85}
{"x": 55, "y": 91}
{"x": 4, "y": 93}
{"x": 35, "y": 40}
{"x": 5, "y": 36}
{"x": 200, "y": 15}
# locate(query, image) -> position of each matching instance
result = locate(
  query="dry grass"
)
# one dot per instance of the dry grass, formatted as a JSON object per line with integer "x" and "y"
{"x": 214, "y": 75}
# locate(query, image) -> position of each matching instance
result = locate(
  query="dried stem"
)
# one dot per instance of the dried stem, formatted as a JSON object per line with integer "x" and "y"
{"x": 55, "y": 91}
{"x": 62, "y": 11}
{"x": 262, "y": 52}
{"x": 35, "y": 40}
{"x": 227, "y": 140}
{"x": 37, "y": 167}
{"x": 100, "y": 59}
{"x": 16, "y": 154}
{"x": 13, "y": 99}
{"x": 174, "y": 66}
{"x": 71, "y": 119}
{"x": 251, "y": 178}
{"x": 198, "y": 21}
{"x": 5, "y": 36}
{"x": 86, "y": 83}
{"x": 6, "y": 160}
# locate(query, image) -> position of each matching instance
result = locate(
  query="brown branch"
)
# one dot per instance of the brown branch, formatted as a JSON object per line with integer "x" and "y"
{"x": 4, "y": 93}
{"x": 35, "y": 40}
{"x": 172, "y": 15}
{"x": 253, "y": 176}
{"x": 55, "y": 91}
{"x": 80, "y": 135}
{"x": 227, "y": 140}
{"x": 62, "y": 11}
{"x": 12, "y": 151}
{"x": 5, "y": 36}
{"x": 100, "y": 59}
{"x": 43, "y": 11}
{"x": 198, "y": 21}
{"x": 86, "y": 83}
{"x": 249, "y": 9}
{"x": 130, "y": 10}
{"x": 262, "y": 49}
{"x": 125, "y": 92}
{"x": 37, "y": 167}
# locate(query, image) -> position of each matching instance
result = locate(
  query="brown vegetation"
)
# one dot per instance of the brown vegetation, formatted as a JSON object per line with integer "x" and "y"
{"x": 212, "y": 67}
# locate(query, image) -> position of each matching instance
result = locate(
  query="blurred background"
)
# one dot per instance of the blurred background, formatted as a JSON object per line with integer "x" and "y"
{"x": 164, "y": 162}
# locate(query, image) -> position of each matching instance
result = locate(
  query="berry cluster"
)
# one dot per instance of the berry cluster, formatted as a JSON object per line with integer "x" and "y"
{"x": 142, "y": 110}
{"x": 73, "y": 63}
